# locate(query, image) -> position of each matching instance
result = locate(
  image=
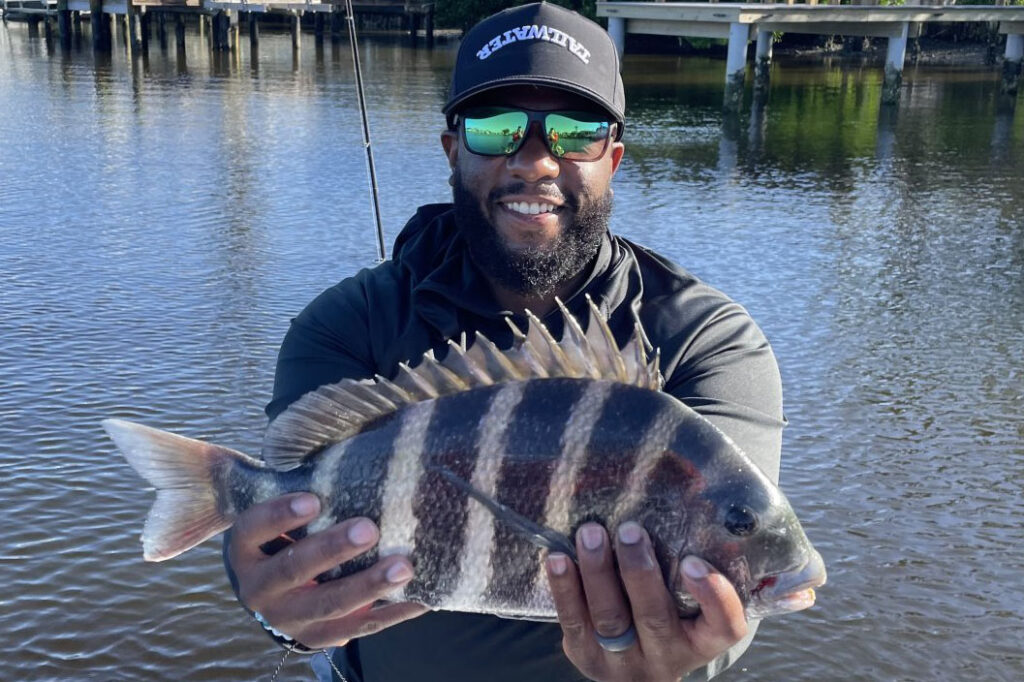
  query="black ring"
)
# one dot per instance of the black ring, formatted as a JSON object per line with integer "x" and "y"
{"x": 618, "y": 643}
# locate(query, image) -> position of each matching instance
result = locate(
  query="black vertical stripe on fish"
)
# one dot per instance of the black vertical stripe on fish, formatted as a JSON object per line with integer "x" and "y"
{"x": 613, "y": 451}
{"x": 531, "y": 446}
{"x": 355, "y": 482}
{"x": 440, "y": 532}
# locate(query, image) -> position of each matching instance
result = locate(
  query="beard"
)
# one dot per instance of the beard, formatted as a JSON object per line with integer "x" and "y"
{"x": 533, "y": 271}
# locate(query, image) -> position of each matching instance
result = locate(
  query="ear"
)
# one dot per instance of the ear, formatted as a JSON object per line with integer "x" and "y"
{"x": 616, "y": 155}
{"x": 450, "y": 144}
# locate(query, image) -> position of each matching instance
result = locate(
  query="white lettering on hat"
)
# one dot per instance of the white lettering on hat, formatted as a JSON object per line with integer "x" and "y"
{"x": 534, "y": 32}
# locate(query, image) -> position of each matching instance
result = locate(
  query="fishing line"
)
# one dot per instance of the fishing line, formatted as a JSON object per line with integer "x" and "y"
{"x": 350, "y": 19}
{"x": 288, "y": 651}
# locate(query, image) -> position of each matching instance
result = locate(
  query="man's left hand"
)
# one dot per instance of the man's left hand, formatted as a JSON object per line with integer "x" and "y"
{"x": 592, "y": 601}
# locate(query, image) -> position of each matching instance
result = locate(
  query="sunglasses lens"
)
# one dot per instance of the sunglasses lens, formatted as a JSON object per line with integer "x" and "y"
{"x": 495, "y": 131}
{"x": 577, "y": 136}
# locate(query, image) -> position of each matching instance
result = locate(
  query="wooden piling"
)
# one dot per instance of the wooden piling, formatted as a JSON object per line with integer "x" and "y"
{"x": 296, "y": 30}
{"x": 318, "y": 28}
{"x": 64, "y": 23}
{"x": 254, "y": 30}
{"x": 219, "y": 31}
{"x": 96, "y": 17}
{"x": 161, "y": 29}
{"x": 179, "y": 32}
{"x": 429, "y": 27}
{"x": 134, "y": 33}
{"x": 337, "y": 22}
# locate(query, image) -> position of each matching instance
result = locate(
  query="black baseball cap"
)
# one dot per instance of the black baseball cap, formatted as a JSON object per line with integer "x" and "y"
{"x": 539, "y": 44}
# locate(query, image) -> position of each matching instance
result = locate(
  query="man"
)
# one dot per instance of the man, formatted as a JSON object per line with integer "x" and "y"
{"x": 527, "y": 224}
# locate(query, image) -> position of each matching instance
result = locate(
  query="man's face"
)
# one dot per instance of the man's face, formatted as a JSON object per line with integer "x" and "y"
{"x": 526, "y": 252}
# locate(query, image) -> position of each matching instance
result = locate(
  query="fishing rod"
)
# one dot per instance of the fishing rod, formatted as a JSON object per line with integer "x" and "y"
{"x": 351, "y": 19}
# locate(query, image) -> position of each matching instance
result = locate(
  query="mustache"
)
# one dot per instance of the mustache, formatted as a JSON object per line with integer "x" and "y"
{"x": 546, "y": 189}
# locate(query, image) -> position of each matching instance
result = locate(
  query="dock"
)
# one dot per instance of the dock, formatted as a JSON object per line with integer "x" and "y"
{"x": 220, "y": 19}
{"x": 742, "y": 23}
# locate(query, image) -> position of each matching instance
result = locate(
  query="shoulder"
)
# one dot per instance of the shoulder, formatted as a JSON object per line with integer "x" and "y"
{"x": 677, "y": 308}
{"x": 714, "y": 356}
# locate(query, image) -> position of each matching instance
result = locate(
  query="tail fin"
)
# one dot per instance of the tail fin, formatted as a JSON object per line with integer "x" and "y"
{"x": 185, "y": 473}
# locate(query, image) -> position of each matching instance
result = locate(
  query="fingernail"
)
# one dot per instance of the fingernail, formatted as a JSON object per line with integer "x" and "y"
{"x": 695, "y": 568}
{"x": 304, "y": 505}
{"x": 558, "y": 563}
{"x": 362, "y": 533}
{"x": 631, "y": 533}
{"x": 592, "y": 537}
{"x": 398, "y": 573}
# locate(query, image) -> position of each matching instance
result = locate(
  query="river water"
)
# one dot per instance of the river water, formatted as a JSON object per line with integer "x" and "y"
{"x": 162, "y": 220}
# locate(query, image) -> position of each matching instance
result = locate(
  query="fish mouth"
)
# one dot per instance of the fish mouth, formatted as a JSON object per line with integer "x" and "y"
{"x": 788, "y": 591}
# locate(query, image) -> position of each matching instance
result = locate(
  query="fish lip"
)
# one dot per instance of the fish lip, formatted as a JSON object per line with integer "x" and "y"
{"x": 779, "y": 587}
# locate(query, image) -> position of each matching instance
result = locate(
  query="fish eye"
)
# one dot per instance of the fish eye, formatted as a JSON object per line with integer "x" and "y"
{"x": 740, "y": 521}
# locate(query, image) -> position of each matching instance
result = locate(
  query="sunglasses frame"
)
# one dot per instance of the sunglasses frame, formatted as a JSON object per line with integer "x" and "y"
{"x": 537, "y": 116}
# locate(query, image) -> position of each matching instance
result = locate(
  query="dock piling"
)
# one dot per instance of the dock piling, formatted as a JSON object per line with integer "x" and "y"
{"x": 617, "y": 31}
{"x": 736, "y": 66}
{"x": 763, "y": 64}
{"x": 100, "y": 33}
{"x": 894, "y": 59}
{"x": 254, "y": 30}
{"x": 179, "y": 32}
{"x": 296, "y": 30}
{"x": 64, "y": 27}
{"x": 1012, "y": 64}
{"x": 134, "y": 30}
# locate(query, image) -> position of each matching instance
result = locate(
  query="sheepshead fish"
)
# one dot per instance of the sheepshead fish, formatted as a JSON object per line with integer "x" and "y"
{"x": 476, "y": 466}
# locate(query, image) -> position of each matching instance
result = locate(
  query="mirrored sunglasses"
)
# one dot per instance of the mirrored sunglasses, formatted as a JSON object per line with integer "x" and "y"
{"x": 501, "y": 131}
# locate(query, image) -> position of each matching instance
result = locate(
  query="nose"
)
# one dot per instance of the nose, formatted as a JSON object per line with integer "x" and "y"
{"x": 533, "y": 161}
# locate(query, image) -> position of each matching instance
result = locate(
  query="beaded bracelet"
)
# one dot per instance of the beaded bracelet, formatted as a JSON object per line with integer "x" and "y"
{"x": 282, "y": 639}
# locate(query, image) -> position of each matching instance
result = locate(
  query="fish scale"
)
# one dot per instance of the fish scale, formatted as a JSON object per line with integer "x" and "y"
{"x": 478, "y": 465}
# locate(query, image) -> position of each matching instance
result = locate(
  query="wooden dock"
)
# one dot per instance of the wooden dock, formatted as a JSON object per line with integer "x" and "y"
{"x": 220, "y": 19}
{"x": 742, "y": 23}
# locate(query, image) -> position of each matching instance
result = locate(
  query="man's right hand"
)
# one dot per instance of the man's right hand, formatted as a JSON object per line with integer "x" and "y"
{"x": 282, "y": 587}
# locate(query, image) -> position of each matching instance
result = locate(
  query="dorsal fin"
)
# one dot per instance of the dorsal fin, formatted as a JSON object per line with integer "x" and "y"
{"x": 337, "y": 411}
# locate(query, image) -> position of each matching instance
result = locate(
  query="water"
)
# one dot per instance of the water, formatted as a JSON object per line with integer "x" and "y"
{"x": 161, "y": 222}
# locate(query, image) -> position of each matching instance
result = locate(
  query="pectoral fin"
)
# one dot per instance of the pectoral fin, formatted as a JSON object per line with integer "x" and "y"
{"x": 546, "y": 538}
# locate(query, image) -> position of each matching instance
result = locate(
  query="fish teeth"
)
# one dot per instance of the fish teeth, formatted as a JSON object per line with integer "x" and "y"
{"x": 530, "y": 208}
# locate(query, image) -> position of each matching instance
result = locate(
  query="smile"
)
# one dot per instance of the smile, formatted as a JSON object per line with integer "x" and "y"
{"x": 530, "y": 207}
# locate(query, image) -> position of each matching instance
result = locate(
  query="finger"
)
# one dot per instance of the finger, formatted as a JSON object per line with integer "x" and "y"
{"x": 264, "y": 522}
{"x": 654, "y": 613}
{"x": 721, "y": 622}
{"x": 361, "y": 623}
{"x": 578, "y": 640}
{"x": 302, "y": 561}
{"x": 339, "y": 598}
{"x": 606, "y": 602}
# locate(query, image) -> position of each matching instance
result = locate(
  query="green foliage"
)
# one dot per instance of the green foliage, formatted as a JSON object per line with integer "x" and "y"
{"x": 893, "y": 3}
{"x": 463, "y": 14}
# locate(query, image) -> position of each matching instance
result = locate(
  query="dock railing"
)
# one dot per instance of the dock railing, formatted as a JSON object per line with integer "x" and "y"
{"x": 739, "y": 23}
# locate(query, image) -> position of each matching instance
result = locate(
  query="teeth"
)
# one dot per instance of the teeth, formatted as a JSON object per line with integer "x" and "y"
{"x": 530, "y": 208}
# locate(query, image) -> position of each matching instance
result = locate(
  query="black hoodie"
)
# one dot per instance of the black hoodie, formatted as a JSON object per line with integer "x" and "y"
{"x": 713, "y": 356}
